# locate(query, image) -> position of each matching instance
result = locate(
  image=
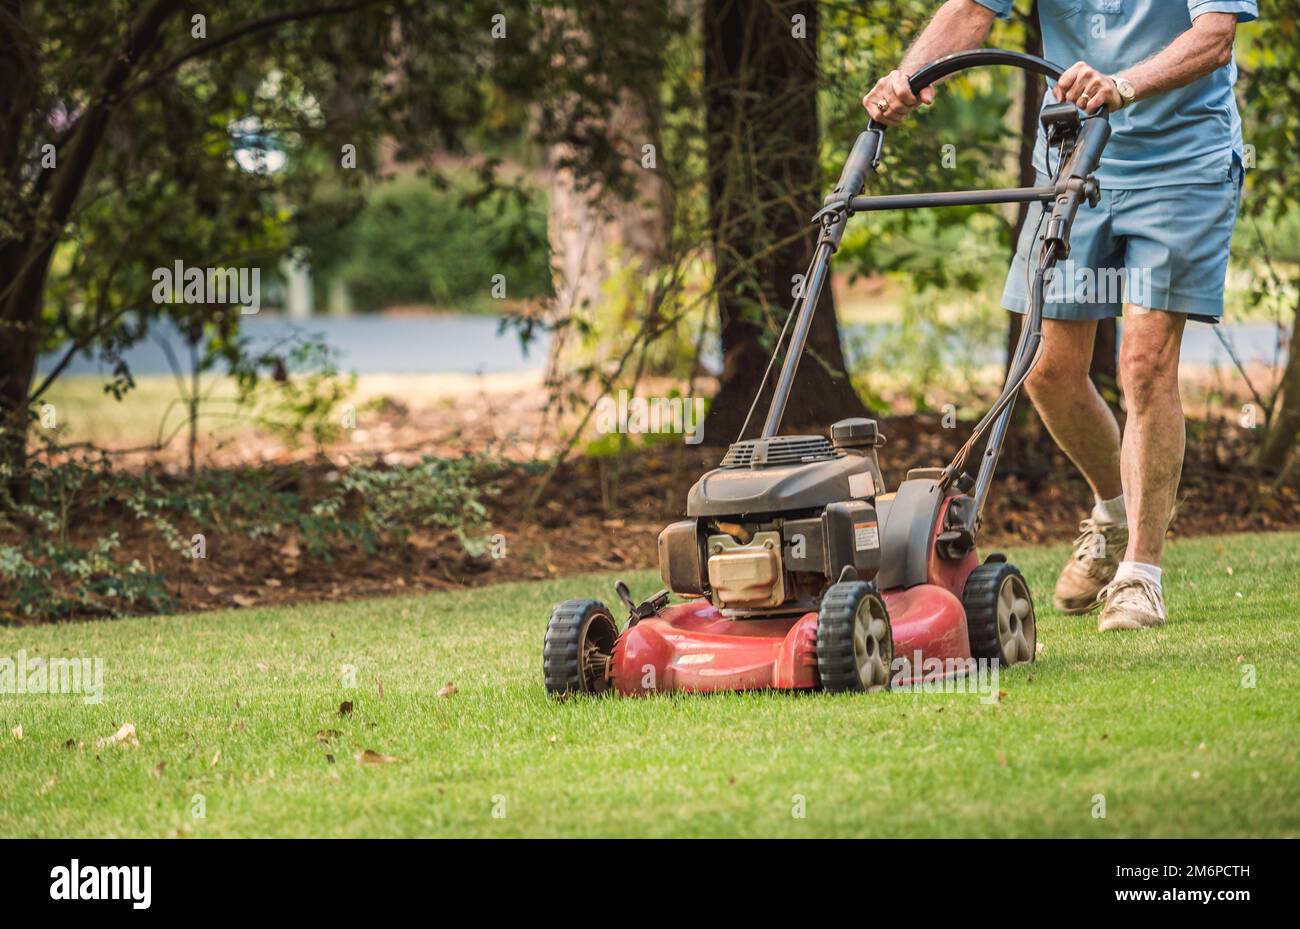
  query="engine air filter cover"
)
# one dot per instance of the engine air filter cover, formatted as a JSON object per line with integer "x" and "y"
{"x": 778, "y": 451}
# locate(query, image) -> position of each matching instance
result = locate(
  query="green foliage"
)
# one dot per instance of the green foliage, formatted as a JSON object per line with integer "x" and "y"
{"x": 49, "y": 570}
{"x": 420, "y": 242}
{"x": 44, "y": 574}
{"x": 304, "y": 393}
{"x": 438, "y": 493}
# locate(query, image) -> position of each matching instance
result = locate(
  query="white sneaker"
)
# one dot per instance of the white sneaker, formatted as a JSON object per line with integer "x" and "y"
{"x": 1131, "y": 603}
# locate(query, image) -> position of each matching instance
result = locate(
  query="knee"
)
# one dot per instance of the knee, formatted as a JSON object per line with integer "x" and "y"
{"x": 1147, "y": 374}
{"x": 1054, "y": 378}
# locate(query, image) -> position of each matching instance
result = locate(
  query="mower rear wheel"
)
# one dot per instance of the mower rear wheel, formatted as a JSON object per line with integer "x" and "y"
{"x": 579, "y": 645}
{"x": 1000, "y": 614}
{"x": 855, "y": 645}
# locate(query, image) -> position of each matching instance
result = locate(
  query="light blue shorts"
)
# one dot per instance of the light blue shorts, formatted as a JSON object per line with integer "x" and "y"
{"x": 1163, "y": 248}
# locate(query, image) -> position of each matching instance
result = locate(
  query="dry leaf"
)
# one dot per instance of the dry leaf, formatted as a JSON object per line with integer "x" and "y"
{"x": 215, "y": 758}
{"x": 241, "y": 600}
{"x": 124, "y": 736}
{"x": 290, "y": 548}
{"x": 263, "y": 667}
{"x": 1002, "y": 694}
{"x": 272, "y": 582}
{"x": 49, "y": 784}
{"x": 345, "y": 708}
{"x": 1002, "y": 759}
{"x": 380, "y": 685}
{"x": 326, "y": 734}
{"x": 158, "y": 770}
{"x": 17, "y": 732}
{"x": 329, "y": 759}
{"x": 447, "y": 689}
{"x": 370, "y": 756}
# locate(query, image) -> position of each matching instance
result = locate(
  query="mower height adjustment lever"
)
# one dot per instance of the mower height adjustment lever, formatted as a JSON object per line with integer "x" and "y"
{"x": 644, "y": 610}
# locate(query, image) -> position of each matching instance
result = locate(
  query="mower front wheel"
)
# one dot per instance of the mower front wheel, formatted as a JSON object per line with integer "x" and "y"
{"x": 1000, "y": 614}
{"x": 855, "y": 645}
{"x": 579, "y": 644}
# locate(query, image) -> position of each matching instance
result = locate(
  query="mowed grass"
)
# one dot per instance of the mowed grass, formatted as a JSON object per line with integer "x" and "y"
{"x": 1158, "y": 724}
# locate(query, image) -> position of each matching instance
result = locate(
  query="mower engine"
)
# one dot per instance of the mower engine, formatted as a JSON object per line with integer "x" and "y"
{"x": 778, "y": 521}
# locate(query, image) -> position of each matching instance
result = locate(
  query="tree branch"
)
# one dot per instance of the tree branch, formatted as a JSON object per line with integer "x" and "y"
{"x": 239, "y": 32}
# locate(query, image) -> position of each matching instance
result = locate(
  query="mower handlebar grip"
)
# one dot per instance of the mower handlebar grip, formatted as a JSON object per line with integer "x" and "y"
{"x": 861, "y": 160}
{"x": 940, "y": 68}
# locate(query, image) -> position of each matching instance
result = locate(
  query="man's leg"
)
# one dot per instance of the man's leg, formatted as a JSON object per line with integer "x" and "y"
{"x": 1071, "y": 406}
{"x": 1085, "y": 429}
{"x": 1155, "y": 434}
{"x": 1151, "y": 462}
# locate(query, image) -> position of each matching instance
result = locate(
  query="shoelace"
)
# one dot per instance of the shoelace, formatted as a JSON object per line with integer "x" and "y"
{"x": 1086, "y": 544}
{"x": 1136, "y": 591}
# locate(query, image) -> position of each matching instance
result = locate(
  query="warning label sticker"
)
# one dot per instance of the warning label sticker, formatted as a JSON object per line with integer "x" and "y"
{"x": 866, "y": 535}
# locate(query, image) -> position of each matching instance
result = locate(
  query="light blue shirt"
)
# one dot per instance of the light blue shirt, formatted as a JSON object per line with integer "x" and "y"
{"x": 1189, "y": 135}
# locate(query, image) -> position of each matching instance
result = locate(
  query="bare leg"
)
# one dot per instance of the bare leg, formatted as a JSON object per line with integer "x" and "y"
{"x": 1155, "y": 434}
{"x": 1071, "y": 407}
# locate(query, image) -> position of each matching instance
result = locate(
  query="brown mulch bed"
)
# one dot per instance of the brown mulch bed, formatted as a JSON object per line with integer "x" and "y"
{"x": 605, "y": 514}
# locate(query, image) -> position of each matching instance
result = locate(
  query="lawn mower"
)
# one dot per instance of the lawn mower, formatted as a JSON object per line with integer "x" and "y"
{"x": 797, "y": 569}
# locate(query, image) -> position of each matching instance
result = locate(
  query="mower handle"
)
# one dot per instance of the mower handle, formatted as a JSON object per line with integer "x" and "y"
{"x": 940, "y": 68}
{"x": 866, "y": 150}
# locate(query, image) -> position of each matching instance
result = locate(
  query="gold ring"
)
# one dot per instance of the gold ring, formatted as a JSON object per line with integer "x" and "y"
{"x": 881, "y": 105}
{"x": 1083, "y": 101}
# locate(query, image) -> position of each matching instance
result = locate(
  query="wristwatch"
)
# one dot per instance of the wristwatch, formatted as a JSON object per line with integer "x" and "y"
{"x": 1127, "y": 93}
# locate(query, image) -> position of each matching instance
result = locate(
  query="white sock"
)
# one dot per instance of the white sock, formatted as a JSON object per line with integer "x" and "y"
{"x": 1110, "y": 512}
{"x": 1135, "y": 569}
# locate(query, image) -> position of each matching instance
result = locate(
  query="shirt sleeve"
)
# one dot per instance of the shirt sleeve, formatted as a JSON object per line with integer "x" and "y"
{"x": 1246, "y": 10}
{"x": 1003, "y": 7}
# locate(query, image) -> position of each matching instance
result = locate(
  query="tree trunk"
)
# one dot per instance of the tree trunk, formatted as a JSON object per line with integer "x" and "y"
{"x": 1284, "y": 430}
{"x": 589, "y": 227}
{"x": 25, "y": 257}
{"x": 760, "y": 74}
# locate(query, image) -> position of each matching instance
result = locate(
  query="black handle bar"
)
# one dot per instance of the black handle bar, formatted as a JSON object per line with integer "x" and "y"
{"x": 866, "y": 150}
{"x": 940, "y": 68}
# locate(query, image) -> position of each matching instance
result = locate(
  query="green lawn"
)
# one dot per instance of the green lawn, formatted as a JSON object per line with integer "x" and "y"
{"x": 1158, "y": 723}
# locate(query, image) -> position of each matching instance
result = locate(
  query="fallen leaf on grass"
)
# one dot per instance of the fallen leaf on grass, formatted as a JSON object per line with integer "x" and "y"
{"x": 17, "y": 732}
{"x": 242, "y": 600}
{"x": 1002, "y": 759}
{"x": 158, "y": 770}
{"x": 370, "y": 756}
{"x": 49, "y": 784}
{"x": 215, "y": 758}
{"x": 447, "y": 689}
{"x": 345, "y": 708}
{"x": 325, "y": 735}
{"x": 1002, "y": 695}
{"x": 263, "y": 667}
{"x": 124, "y": 736}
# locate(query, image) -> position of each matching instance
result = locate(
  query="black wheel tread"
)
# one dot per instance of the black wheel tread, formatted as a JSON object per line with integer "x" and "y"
{"x": 561, "y": 662}
{"x": 980, "y": 600}
{"x": 836, "y": 665}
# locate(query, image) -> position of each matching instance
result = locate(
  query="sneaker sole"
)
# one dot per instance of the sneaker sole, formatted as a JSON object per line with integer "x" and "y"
{"x": 1076, "y": 609}
{"x": 1124, "y": 625}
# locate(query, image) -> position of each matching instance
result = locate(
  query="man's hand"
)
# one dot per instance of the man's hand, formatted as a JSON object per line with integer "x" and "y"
{"x": 892, "y": 99}
{"x": 1087, "y": 88}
